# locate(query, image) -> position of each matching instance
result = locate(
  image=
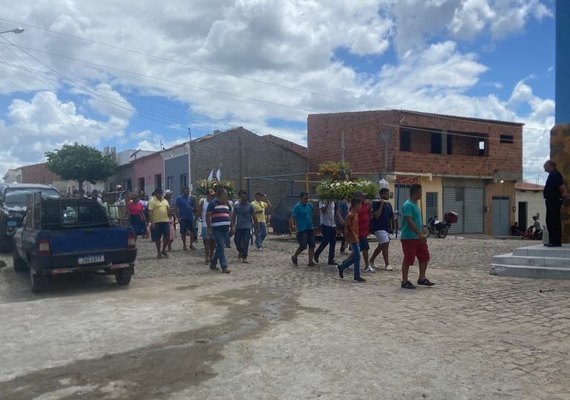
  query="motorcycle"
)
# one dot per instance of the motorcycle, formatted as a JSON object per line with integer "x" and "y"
{"x": 441, "y": 228}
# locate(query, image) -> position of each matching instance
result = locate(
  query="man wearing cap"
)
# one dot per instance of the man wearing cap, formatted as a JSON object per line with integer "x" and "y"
{"x": 261, "y": 205}
{"x": 159, "y": 212}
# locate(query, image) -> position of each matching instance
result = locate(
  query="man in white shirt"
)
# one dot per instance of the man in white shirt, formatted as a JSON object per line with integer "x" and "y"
{"x": 328, "y": 230}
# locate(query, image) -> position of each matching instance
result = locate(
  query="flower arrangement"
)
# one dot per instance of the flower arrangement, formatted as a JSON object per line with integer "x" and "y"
{"x": 204, "y": 185}
{"x": 337, "y": 183}
{"x": 335, "y": 171}
{"x": 345, "y": 189}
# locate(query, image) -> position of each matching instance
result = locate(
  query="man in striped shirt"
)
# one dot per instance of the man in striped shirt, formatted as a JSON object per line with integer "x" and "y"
{"x": 219, "y": 224}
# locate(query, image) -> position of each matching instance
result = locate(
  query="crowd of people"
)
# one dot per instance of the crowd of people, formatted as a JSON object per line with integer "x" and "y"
{"x": 353, "y": 220}
{"x": 359, "y": 218}
{"x": 215, "y": 218}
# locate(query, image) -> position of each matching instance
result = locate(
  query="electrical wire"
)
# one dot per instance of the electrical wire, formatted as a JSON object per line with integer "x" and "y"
{"x": 269, "y": 102}
{"x": 214, "y": 71}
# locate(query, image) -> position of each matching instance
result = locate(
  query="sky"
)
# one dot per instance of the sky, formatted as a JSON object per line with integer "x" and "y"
{"x": 138, "y": 74}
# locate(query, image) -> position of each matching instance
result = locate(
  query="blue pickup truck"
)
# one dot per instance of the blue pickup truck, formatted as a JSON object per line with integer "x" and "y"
{"x": 60, "y": 236}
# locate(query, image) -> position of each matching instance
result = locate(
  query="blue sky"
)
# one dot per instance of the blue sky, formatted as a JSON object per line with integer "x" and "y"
{"x": 109, "y": 74}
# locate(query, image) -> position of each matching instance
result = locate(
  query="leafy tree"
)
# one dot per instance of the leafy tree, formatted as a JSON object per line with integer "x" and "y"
{"x": 81, "y": 163}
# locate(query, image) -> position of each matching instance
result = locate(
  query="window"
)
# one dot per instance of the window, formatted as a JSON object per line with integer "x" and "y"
{"x": 436, "y": 143}
{"x": 449, "y": 144}
{"x": 508, "y": 139}
{"x": 170, "y": 183}
{"x": 158, "y": 181}
{"x": 141, "y": 184}
{"x": 129, "y": 185}
{"x": 67, "y": 213}
{"x": 19, "y": 197}
{"x": 405, "y": 141}
{"x": 482, "y": 147}
{"x": 183, "y": 181}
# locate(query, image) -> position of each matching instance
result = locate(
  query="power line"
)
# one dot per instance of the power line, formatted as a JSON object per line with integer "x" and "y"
{"x": 275, "y": 103}
{"x": 214, "y": 71}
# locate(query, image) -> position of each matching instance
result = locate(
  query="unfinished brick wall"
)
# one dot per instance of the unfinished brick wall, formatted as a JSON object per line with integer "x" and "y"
{"x": 38, "y": 173}
{"x": 364, "y": 148}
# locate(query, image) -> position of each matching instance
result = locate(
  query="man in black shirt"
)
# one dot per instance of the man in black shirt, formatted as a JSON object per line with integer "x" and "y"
{"x": 554, "y": 191}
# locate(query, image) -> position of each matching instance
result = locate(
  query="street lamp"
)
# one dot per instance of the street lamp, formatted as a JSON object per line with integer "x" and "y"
{"x": 15, "y": 30}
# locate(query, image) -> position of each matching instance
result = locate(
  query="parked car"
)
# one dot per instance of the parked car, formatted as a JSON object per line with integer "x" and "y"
{"x": 13, "y": 206}
{"x": 60, "y": 236}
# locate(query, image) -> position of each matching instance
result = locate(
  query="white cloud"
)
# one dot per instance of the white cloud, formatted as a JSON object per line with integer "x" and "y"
{"x": 44, "y": 123}
{"x": 291, "y": 43}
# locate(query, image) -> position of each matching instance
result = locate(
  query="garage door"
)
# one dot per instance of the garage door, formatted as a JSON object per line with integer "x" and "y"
{"x": 474, "y": 210}
{"x": 453, "y": 199}
{"x": 469, "y": 203}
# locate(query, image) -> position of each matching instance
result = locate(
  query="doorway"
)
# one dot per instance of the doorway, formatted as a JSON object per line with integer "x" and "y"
{"x": 523, "y": 215}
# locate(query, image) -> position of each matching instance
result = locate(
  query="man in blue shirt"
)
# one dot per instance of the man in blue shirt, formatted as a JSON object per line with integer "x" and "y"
{"x": 414, "y": 243}
{"x": 302, "y": 215}
{"x": 185, "y": 211}
{"x": 382, "y": 217}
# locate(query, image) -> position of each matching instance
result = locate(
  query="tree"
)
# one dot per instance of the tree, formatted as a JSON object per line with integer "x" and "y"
{"x": 80, "y": 163}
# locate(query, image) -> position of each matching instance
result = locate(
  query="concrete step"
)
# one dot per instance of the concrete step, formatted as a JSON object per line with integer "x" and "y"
{"x": 541, "y": 251}
{"x": 511, "y": 259}
{"x": 526, "y": 271}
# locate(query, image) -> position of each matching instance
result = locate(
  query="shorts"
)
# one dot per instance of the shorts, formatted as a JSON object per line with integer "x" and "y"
{"x": 382, "y": 236}
{"x": 185, "y": 226}
{"x": 205, "y": 234}
{"x": 306, "y": 238}
{"x": 161, "y": 230}
{"x": 363, "y": 244}
{"x": 414, "y": 249}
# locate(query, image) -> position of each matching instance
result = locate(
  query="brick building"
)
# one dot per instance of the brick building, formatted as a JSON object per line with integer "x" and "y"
{"x": 244, "y": 157}
{"x": 39, "y": 173}
{"x": 466, "y": 165}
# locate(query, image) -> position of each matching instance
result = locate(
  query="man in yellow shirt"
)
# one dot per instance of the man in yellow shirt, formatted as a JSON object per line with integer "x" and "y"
{"x": 261, "y": 205}
{"x": 159, "y": 215}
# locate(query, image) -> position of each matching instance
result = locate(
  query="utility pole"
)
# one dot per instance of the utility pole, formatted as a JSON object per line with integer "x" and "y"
{"x": 190, "y": 159}
{"x": 386, "y": 137}
{"x": 342, "y": 147}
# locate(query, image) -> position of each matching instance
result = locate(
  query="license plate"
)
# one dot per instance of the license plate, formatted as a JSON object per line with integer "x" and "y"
{"x": 12, "y": 223}
{"x": 91, "y": 259}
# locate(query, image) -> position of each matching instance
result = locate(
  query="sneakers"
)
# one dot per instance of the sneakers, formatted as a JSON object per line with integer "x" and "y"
{"x": 316, "y": 258}
{"x": 388, "y": 268}
{"x": 333, "y": 262}
{"x": 226, "y": 270}
{"x": 408, "y": 285}
{"x": 369, "y": 269}
{"x": 359, "y": 279}
{"x": 425, "y": 282}
{"x": 340, "y": 271}
{"x": 295, "y": 261}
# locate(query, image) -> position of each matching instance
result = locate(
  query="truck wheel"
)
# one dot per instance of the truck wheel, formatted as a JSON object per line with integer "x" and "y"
{"x": 38, "y": 282}
{"x": 123, "y": 278}
{"x": 19, "y": 264}
{"x": 5, "y": 244}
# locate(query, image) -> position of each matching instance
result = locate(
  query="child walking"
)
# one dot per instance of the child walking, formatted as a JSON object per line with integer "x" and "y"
{"x": 352, "y": 239}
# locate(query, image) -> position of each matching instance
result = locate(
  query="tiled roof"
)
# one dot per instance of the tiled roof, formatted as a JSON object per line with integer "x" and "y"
{"x": 294, "y": 147}
{"x": 530, "y": 187}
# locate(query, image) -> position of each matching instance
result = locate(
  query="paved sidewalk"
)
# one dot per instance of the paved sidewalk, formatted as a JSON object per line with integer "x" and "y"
{"x": 273, "y": 331}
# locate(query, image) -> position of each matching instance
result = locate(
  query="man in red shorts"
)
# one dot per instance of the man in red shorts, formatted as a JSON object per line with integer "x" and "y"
{"x": 414, "y": 244}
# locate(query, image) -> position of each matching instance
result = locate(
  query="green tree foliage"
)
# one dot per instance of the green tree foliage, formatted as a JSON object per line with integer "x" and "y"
{"x": 81, "y": 163}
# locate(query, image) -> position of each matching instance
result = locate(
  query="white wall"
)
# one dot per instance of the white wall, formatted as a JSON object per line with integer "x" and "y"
{"x": 535, "y": 206}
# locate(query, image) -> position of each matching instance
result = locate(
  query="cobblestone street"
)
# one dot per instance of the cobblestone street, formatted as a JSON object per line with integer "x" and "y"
{"x": 273, "y": 331}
